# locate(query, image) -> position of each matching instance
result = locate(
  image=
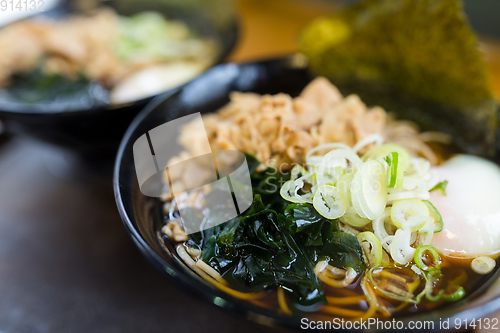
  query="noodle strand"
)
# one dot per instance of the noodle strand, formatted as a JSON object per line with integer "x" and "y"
{"x": 282, "y": 301}
{"x": 345, "y": 300}
{"x": 341, "y": 311}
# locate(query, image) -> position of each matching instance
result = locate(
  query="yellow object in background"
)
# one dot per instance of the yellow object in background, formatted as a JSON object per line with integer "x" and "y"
{"x": 270, "y": 28}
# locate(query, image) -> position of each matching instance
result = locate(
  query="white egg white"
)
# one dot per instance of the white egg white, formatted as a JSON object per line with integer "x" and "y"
{"x": 154, "y": 80}
{"x": 470, "y": 209}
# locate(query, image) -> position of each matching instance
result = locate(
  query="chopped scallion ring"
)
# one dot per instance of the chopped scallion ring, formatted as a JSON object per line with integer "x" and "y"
{"x": 401, "y": 250}
{"x": 329, "y": 202}
{"x": 395, "y": 171}
{"x": 383, "y": 150}
{"x": 441, "y": 187}
{"x": 340, "y": 157}
{"x": 426, "y": 233}
{"x": 386, "y": 243}
{"x": 434, "y": 298}
{"x": 378, "y": 225}
{"x": 329, "y": 175}
{"x": 297, "y": 172}
{"x": 432, "y": 277}
{"x": 435, "y": 258}
{"x": 353, "y": 219}
{"x": 409, "y": 214}
{"x": 313, "y": 160}
{"x": 375, "y": 138}
{"x": 483, "y": 265}
{"x": 344, "y": 185}
{"x": 456, "y": 295}
{"x": 369, "y": 190}
{"x": 350, "y": 217}
{"x": 371, "y": 246}
{"x": 385, "y": 258}
{"x": 289, "y": 191}
{"x": 435, "y": 215}
{"x": 401, "y": 195}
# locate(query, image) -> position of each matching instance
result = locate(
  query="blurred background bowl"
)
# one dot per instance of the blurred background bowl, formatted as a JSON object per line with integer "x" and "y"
{"x": 143, "y": 216}
{"x": 96, "y": 131}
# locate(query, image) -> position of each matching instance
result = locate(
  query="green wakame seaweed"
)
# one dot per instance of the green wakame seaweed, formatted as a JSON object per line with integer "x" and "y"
{"x": 275, "y": 243}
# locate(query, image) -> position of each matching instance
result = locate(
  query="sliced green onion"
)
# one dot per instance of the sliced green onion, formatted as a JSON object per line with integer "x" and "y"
{"x": 287, "y": 191}
{"x": 379, "y": 229}
{"x": 331, "y": 168}
{"x": 298, "y": 171}
{"x": 401, "y": 250}
{"x": 290, "y": 190}
{"x": 414, "y": 183}
{"x": 395, "y": 171}
{"x": 409, "y": 214}
{"x": 340, "y": 157}
{"x": 427, "y": 231}
{"x": 441, "y": 187}
{"x": 378, "y": 224}
{"x": 314, "y": 160}
{"x": 383, "y": 150}
{"x": 420, "y": 167}
{"x": 353, "y": 219}
{"x": 401, "y": 195}
{"x": 371, "y": 246}
{"x": 369, "y": 190}
{"x": 459, "y": 293}
{"x": 386, "y": 243}
{"x": 329, "y": 202}
{"x": 344, "y": 185}
{"x": 432, "y": 277}
{"x": 423, "y": 250}
{"x": 435, "y": 215}
{"x": 299, "y": 177}
{"x": 350, "y": 217}
{"x": 434, "y": 298}
{"x": 329, "y": 175}
{"x": 385, "y": 258}
{"x": 375, "y": 138}
{"x": 483, "y": 265}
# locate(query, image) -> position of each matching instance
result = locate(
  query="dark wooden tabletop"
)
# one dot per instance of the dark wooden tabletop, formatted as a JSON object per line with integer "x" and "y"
{"x": 66, "y": 262}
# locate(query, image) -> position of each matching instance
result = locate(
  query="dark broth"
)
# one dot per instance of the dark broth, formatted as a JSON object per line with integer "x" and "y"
{"x": 453, "y": 268}
{"x": 456, "y": 271}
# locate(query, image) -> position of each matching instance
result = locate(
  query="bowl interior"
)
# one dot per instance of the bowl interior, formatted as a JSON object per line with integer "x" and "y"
{"x": 142, "y": 215}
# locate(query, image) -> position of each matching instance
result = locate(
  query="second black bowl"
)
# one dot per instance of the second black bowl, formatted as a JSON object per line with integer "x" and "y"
{"x": 99, "y": 129}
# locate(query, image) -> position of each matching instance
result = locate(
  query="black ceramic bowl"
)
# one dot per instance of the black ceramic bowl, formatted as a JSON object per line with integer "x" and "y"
{"x": 99, "y": 129}
{"x": 142, "y": 216}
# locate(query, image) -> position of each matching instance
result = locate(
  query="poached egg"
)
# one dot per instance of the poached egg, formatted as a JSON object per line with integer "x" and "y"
{"x": 470, "y": 209}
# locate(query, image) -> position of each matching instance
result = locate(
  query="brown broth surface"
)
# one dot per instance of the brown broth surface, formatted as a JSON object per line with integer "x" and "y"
{"x": 453, "y": 269}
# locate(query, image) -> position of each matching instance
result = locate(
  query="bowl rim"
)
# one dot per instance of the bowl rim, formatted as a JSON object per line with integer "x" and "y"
{"x": 35, "y": 110}
{"x": 240, "y": 307}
